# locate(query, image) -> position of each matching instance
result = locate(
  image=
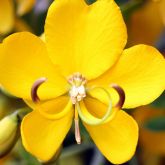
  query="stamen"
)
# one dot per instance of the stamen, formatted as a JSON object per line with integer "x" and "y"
{"x": 35, "y": 87}
{"x": 121, "y": 94}
{"x": 77, "y": 91}
{"x": 92, "y": 120}
{"x": 77, "y": 128}
{"x": 40, "y": 108}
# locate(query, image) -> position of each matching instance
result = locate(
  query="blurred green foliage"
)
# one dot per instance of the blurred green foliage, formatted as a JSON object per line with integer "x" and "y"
{"x": 159, "y": 102}
{"x": 156, "y": 124}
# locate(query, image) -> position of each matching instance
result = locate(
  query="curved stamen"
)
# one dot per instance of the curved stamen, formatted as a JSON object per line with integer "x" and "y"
{"x": 35, "y": 87}
{"x": 93, "y": 120}
{"x": 40, "y": 108}
{"x": 121, "y": 94}
{"x": 77, "y": 91}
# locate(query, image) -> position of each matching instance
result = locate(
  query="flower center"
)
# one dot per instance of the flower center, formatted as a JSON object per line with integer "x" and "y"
{"x": 77, "y": 91}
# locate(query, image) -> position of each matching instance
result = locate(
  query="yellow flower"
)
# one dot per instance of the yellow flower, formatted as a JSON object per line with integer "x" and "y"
{"x": 7, "y": 13}
{"x": 88, "y": 40}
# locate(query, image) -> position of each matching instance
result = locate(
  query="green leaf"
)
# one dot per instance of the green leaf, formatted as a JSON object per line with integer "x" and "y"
{"x": 89, "y": 2}
{"x": 159, "y": 102}
{"x": 156, "y": 124}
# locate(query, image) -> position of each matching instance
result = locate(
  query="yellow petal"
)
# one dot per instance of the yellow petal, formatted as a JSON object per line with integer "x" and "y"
{"x": 116, "y": 139}
{"x": 89, "y": 38}
{"x": 49, "y": 105}
{"x": 6, "y": 16}
{"x": 94, "y": 112}
{"x": 42, "y": 36}
{"x": 140, "y": 72}
{"x": 23, "y": 59}
{"x": 24, "y": 6}
{"x": 95, "y": 107}
{"x": 42, "y": 137}
{"x": 52, "y": 109}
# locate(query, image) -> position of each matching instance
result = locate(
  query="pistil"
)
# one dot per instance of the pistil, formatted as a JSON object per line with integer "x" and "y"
{"x": 77, "y": 128}
{"x": 77, "y": 93}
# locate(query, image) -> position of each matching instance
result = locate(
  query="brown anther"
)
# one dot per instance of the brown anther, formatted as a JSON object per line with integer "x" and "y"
{"x": 35, "y": 87}
{"x": 121, "y": 94}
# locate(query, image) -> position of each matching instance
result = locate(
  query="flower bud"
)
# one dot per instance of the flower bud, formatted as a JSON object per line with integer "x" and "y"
{"x": 8, "y": 133}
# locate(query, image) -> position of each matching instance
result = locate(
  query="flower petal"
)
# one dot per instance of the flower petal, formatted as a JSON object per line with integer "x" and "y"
{"x": 6, "y": 16}
{"x": 49, "y": 105}
{"x": 42, "y": 137}
{"x": 52, "y": 109}
{"x": 116, "y": 139}
{"x": 140, "y": 72}
{"x": 23, "y": 60}
{"x": 95, "y": 107}
{"x": 89, "y": 38}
